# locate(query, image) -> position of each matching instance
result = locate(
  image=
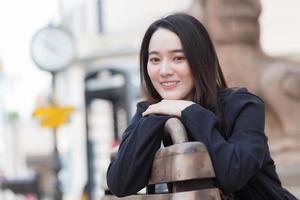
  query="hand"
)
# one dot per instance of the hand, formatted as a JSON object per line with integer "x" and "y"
{"x": 168, "y": 107}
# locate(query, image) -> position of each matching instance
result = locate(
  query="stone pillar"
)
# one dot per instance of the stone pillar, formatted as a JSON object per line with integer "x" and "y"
{"x": 234, "y": 28}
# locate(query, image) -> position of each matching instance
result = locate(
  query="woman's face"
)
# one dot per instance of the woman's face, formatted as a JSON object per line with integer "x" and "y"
{"x": 168, "y": 67}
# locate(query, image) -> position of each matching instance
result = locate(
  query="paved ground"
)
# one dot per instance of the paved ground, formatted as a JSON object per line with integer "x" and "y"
{"x": 286, "y": 154}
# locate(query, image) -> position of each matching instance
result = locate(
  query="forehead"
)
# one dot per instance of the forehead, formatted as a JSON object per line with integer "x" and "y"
{"x": 164, "y": 40}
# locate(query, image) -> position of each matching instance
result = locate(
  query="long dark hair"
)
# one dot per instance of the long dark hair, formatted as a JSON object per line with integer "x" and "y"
{"x": 200, "y": 54}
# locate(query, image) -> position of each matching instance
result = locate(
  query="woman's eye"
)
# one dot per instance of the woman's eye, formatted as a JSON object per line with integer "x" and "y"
{"x": 179, "y": 58}
{"x": 154, "y": 60}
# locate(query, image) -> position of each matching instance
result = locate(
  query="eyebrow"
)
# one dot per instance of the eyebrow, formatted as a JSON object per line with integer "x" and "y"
{"x": 172, "y": 51}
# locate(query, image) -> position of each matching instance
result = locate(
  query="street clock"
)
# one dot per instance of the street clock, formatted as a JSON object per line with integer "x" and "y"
{"x": 52, "y": 48}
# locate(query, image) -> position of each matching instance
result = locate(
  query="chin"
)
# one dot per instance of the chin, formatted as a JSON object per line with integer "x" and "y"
{"x": 170, "y": 97}
{"x": 177, "y": 97}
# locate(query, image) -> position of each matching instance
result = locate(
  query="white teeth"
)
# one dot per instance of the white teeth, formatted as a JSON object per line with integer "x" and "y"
{"x": 169, "y": 83}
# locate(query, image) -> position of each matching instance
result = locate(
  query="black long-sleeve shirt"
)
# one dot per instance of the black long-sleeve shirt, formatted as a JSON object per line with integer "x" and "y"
{"x": 239, "y": 152}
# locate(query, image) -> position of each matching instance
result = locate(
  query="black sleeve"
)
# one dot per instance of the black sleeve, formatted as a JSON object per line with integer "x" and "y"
{"x": 130, "y": 171}
{"x": 237, "y": 159}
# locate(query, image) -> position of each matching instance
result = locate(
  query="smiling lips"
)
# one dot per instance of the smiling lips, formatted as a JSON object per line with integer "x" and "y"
{"x": 167, "y": 85}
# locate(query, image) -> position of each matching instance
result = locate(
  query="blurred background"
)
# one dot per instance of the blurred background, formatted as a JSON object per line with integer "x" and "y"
{"x": 69, "y": 83}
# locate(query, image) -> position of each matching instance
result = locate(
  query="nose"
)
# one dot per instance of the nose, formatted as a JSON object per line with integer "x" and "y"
{"x": 166, "y": 69}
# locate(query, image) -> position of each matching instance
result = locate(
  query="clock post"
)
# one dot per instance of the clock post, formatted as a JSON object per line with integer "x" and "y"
{"x": 57, "y": 163}
{"x": 53, "y": 50}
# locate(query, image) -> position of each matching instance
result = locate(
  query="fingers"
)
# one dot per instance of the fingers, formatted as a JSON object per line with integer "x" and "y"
{"x": 168, "y": 107}
{"x": 152, "y": 109}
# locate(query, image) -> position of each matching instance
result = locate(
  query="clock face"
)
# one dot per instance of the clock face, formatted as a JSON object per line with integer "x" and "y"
{"x": 52, "y": 49}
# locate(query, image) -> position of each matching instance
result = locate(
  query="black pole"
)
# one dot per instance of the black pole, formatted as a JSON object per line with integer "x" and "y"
{"x": 115, "y": 119}
{"x": 57, "y": 164}
{"x": 89, "y": 154}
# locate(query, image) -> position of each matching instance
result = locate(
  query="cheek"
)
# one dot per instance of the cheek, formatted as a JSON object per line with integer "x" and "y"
{"x": 152, "y": 72}
{"x": 185, "y": 73}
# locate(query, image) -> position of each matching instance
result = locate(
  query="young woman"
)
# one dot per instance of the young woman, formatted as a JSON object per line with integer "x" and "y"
{"x": 181, "y": 77}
